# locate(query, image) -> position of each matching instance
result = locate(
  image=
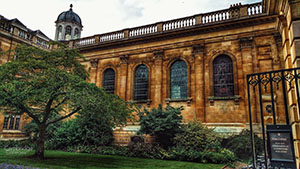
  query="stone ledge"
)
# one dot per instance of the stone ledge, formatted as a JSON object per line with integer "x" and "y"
{"x": 236, "y": 99}
{"x": 148, "y": 101}
{"x": 188, "y": 100}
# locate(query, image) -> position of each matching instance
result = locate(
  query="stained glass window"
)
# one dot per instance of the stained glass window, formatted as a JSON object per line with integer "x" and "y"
{"x": 178, "y": 80}
{"x": 109, "y": 81}
{"x": 141, "y": 83}
{"x": 223, "y": 76}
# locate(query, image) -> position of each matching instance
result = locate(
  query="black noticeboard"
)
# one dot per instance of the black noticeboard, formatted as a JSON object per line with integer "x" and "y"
{"x": 281, "y": 146}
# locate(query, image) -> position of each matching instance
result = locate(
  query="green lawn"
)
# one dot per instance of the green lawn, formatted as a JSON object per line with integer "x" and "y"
{"x": 66, "y": 160}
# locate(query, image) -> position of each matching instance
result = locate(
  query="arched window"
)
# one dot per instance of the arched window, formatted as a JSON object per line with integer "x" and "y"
{"x": 178, "y": 78}
{"x": 68, "y": 33}
{"x": 141, "y": 83}
{"x": 76, "y": 35}
{"x": 109, "y": 81}
{"x": 59, "y": 33}
{"x": 223, "y": 76}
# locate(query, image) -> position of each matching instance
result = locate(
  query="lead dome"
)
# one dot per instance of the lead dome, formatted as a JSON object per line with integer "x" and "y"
{"x": 68, "y": 25}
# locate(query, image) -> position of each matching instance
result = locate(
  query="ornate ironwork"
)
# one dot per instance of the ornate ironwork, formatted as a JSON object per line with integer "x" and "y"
{"x": 283, "y": 80}
{"x": 109, "y": 81}
{"x": 141, "y": 83}
{"x": 178, "y": 78}
{"x": 223, "y": 76}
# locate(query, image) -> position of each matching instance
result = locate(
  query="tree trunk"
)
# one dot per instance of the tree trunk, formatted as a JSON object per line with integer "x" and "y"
{"x": 39, "y": 152}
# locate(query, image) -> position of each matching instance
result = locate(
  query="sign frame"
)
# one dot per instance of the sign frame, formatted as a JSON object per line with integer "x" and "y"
{"x": 284, "y": 133}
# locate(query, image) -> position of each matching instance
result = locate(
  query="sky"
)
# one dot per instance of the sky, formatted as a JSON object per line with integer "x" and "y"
{"x": 103, "y": 16}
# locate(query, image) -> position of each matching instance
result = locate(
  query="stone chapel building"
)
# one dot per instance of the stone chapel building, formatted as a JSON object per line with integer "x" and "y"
{"x": 199, "y": 62}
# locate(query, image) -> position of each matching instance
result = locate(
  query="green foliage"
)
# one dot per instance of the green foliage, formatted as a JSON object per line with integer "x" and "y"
{"x": 24, "y": 144}
{"x": 187, "y": 154}
{"x": 82, "y": 131}
{"x": 163, "y": 124}
{"x": 198, "y": 137}
{"x": 241, "y": 144}
{"x": 50, "y": 86}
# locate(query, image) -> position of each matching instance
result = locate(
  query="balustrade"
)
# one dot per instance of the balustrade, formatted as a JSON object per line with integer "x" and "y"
{"x": 111, "y": 36}
{"x": 179, "y": 23}
{"x": 213, "y": 17}
{"x": 84, "y": 42}
{"x": 143, "y": 30}
{"x": 254, "y": 9}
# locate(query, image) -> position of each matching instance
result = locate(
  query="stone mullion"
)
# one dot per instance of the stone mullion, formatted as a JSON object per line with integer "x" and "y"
{"x": 198, "y": 54}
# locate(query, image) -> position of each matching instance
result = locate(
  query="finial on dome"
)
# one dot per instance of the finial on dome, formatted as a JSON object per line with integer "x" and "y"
{"x": 71, "y": 6}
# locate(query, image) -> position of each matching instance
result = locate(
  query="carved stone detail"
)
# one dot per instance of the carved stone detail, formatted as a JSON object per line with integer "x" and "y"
{"x": 197, "y": 49}
{"x": 246, "y": 42}
{"x": 158, "y": 54}
{"x": 124, "y": 59}
{"x": 94, "y": 63}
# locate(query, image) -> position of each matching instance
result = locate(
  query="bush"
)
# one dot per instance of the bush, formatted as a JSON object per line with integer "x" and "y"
{"x": 197, "y": 137}
{"x": 80, "y": 133}
{"x": 163, "y": 124}
{"x": 186, "y": 154}
{"x": 241, "y": 144}
{"x": 24, "y": 144}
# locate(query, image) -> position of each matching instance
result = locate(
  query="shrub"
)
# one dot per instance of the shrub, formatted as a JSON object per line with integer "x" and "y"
{"x": 23, "y": 144}
{"x": 241, "y": 144}
{"x": 80, "y": 133}
{"x": 164, "y": 124}
{"x": 184, "y": 154}
{"x": 198, "y": 137}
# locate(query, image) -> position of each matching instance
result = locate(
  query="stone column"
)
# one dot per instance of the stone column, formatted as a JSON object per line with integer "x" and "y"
{"x": 94, "y": 70}
{"x": 123, "y": 76}
{"x": 198, "y": 54}
{"x": 157, "y": 78}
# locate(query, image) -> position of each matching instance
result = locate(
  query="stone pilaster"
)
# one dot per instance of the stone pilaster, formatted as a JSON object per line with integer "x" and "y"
{"x": 246, "y": 46}
{"x": 123, "y": 76}
{"x": 157, "y": 78}
{"x": 93, "y": 71}
{"x": 198, "y": 54}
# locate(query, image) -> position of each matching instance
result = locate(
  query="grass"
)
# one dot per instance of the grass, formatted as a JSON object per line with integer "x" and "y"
{"x": 67, "y": 160}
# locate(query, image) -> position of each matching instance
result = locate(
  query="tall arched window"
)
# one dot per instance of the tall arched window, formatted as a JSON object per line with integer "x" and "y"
{"x": 76, "y": 35}
{"x": 59, "y": 33}
{"x": 68, "y": 33}
{"x": 141, "y": 83}
{"x": 178, "y": 78}
{"x": 109, "y": 81}
{"x": 223, "y": 76}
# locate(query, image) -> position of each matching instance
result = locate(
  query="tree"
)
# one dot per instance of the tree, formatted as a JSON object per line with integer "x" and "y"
{"x": 50, "y": 86}
{"x": 163, "y": 124}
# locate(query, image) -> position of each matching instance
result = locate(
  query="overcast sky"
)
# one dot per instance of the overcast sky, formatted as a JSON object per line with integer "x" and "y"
{"x": 102, "y": 16}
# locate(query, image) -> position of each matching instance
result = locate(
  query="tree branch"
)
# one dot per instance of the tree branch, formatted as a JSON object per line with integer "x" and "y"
{"x": 62, "y": 102}
{"x": 25, "y": 110}
{"x": 64, "y": 117}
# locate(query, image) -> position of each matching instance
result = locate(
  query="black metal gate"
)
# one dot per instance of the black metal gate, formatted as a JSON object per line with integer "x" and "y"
{"x": 270, "y": 101}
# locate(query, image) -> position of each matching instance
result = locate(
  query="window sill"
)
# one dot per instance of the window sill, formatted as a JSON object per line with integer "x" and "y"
{"x": 148, "y": 101}
{"x": 236, "y": 99}
{"x": 188, "y": 100}
{"x": 11, "y": 131}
